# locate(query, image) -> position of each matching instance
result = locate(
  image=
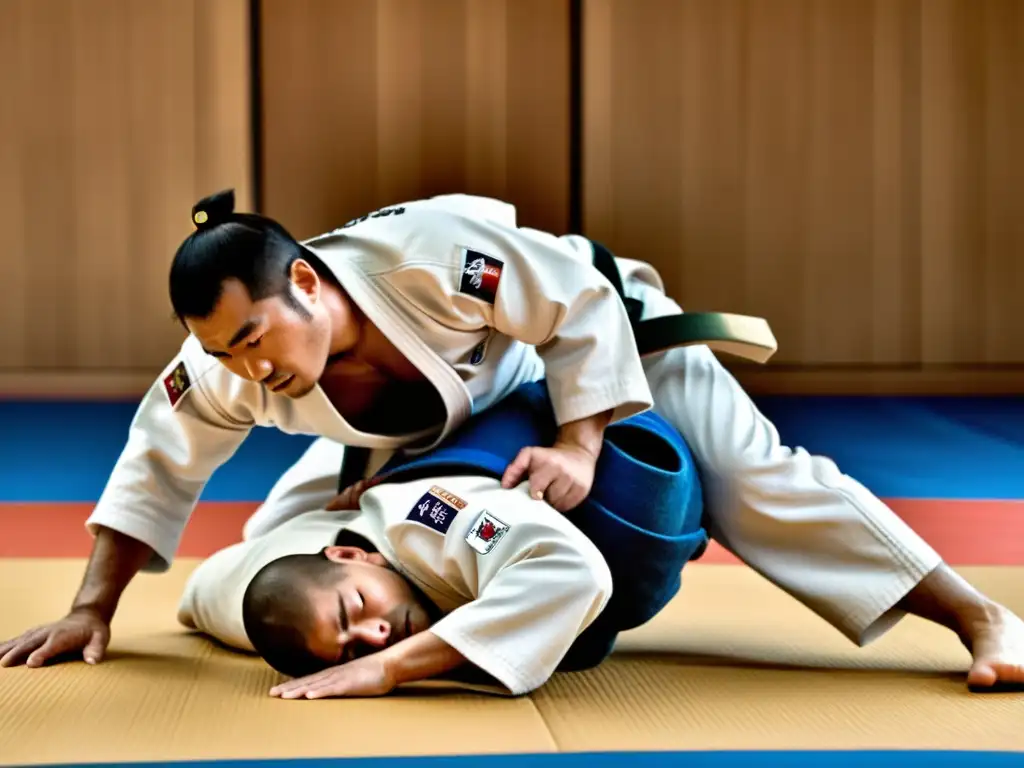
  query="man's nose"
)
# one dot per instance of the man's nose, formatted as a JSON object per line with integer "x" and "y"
{"x": 258, "y": 369}
{"x": 372, "y": 632}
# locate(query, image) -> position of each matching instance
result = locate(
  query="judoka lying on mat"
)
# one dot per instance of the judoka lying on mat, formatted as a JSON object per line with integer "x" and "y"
{"x": 433, "y": 570}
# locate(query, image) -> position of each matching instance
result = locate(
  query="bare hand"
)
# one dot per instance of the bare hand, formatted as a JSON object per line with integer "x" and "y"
{"x": 349, "y": 498}
{"x": 78, "y": 631}
{"x": 367, "y": 676}
{"x": 562, "y": 474}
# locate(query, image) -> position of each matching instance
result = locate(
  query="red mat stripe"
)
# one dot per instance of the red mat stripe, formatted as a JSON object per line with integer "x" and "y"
{"x": 963, "y": 532}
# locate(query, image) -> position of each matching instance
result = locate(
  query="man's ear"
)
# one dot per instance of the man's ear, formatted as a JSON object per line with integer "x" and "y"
{"x": 341, "y": 554}
{"x": 305, "y": 278}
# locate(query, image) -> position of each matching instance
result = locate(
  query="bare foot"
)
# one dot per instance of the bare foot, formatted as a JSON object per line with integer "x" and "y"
{"x": 997, "y": 644}
{"x": 992, "y": 633}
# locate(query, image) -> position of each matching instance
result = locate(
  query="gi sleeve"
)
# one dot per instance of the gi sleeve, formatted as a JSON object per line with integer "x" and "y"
{"x": 541, "y": 290}
{"x": 177, "y": 438}
{"x": 536, "y": 582}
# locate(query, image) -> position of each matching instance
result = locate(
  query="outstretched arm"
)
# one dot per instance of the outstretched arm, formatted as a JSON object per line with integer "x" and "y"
{"x": 176, "y": 441}
{"x": 416, "y": 658}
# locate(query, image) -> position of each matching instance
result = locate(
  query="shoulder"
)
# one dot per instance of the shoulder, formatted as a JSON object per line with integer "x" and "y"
{"x": 495, "y": 528}
{"x": 420, "y": 234}
{"x": 433, "y": 214}
{"x": 195, "y": 380}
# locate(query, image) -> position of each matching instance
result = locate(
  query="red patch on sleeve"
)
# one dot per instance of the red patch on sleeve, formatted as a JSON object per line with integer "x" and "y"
{"x": 176, "y": 383}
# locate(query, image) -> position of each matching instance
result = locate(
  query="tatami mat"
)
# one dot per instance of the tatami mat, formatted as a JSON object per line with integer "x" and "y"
{"x": 733, "y": 664}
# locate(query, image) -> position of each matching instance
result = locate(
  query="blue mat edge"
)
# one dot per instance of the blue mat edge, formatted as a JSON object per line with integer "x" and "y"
{"x": 900, "y": 758}
{"x": 966, "y": 448}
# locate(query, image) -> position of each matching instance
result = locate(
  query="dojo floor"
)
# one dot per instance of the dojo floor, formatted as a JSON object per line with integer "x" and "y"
{"x": 733, "y": 673}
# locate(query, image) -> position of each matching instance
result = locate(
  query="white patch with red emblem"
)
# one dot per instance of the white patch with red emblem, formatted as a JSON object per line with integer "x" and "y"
{"x": 486, "y": 532}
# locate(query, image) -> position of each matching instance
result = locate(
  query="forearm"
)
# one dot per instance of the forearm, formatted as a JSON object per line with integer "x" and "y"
{"x": 587, "y": 433}
{"x": 114, "y": 562}
{"x": 421, "y": 657}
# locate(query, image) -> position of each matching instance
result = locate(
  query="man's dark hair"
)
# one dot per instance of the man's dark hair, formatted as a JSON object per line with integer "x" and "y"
{"x": 255, "y": 250}
{"x": 276, "y": 611}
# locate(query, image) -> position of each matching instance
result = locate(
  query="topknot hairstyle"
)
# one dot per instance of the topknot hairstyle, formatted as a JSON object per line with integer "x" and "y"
{"x": 248, "y": 247}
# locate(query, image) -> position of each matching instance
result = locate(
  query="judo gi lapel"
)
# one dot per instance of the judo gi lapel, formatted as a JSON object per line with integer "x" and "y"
{"x": 380, "y": 310}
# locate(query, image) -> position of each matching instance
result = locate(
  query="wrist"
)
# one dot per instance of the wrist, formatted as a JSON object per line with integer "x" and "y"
{"x": 392, "y": 667}
{"x": 419, "y": 657}
{"x": 99, "y": 611}
{"x": 586, "y": 434}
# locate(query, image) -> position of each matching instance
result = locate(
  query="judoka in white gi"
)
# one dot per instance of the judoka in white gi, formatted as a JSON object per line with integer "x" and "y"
{"x": 390, "y": 331}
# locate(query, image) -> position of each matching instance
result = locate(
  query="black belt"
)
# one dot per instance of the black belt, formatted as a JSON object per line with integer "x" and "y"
{"x": 739, "y": 335}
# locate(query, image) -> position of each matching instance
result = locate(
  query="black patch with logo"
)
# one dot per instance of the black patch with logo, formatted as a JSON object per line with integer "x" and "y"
{"x": 480, "y": 276}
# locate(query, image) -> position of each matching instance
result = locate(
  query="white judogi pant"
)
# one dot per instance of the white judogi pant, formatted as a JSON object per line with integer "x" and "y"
{"x": 793, "y": 517}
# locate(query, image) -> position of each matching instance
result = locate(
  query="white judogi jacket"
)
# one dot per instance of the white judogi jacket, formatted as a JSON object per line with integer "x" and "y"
{"x": 477, "y": 304}
{"x": 517, "y": 581}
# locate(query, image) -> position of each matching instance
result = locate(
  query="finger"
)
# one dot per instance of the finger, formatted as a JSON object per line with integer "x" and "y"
{"x": 514, "y": 472}
{"x": 329, "y": 691}
{"x": 292, "y": 685}
{"x": 300, "y": 682}
{"x": 575, "y": 495}
{"x": 56, "y": 644}
{"x": 558, "y": 493}
{"x": 336, "y": 503}
{"x": 23, "y": 646}
{"x": 299, "y": 691}
{"x": 93, "y": 653}
{"x": 343, "y": 500}
{"x": 327, "y": 688}
{"x": 16, "y": 655}
{"x": 6, "y": 648}
{"x": 294, "y": 693}
{"x": 285, "y": 688}
{"x": 29, "y": 636}
{"x": 542, "y": 476}
{"x": 572, "y": 499}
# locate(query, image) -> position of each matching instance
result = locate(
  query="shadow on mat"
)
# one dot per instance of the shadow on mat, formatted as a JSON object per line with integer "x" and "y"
{"x": 739, "y": 661}
{"x": 667, "y": 660}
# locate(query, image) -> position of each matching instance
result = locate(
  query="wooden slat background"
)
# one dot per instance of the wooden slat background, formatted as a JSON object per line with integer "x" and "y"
{"x": 850, "y": 170}
{"x": 116, "y": 116}
{"x": 373, "y": 102}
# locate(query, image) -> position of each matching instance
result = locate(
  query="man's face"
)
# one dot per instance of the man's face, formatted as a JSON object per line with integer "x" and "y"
{"x": 369, "y": 606}
{"x": 269, "y": 341}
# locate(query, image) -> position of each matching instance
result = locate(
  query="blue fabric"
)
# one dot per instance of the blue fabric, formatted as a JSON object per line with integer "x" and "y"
{"x": 644, "y": 512}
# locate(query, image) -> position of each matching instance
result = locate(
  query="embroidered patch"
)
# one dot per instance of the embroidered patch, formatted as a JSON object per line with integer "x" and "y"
{"x": 448, "y": 496}
{"x": 436, "y": 509}
{"x": 176, "y": 383}
{"x": 486, "y": 532}
{"x": 480, "y": 276}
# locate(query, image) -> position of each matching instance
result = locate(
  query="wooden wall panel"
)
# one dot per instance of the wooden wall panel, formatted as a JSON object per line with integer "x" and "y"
{"x": 372, "y": 102}
{"x": 850, "y": 170}
{"x": 117, "y": 115}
